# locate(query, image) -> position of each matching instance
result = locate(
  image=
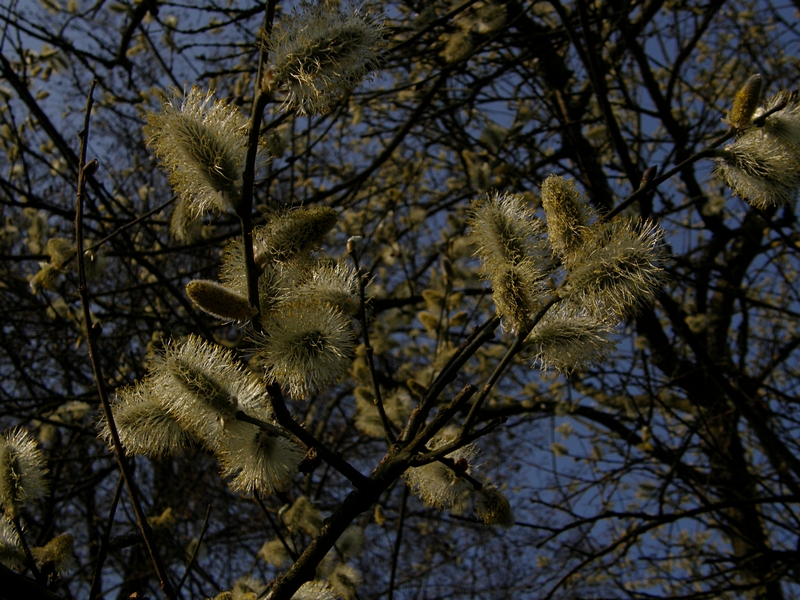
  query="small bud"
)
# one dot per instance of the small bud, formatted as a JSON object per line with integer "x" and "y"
{"x": 648, "y": 176}
{"x": 220, "y": 301}
{"x": 353, "y": 243}
{"x": 310, "y": 462}
{"x": 90, "y": 168}
{"x": 461, "y": 466}
{"x": 745, "y": 103}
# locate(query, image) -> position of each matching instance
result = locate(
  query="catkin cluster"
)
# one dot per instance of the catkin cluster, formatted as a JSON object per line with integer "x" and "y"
{"x": 606, "y": 271}
{"x": 762, "y": 164}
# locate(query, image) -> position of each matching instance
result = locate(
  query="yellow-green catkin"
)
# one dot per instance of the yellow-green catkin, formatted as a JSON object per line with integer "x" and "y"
{"x": 745, "y": 103}
{"x": 298, "y": 230}
{"x": 566, "y": 214}
{"x": 56, "y": 554}
{"x": 320, "y": 53}
{"x": 493, "y": 507}
{"x": 220, "y": 301}
{"x": 22, "y": 471}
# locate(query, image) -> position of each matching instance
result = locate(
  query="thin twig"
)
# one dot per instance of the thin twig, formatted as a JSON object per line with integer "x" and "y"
{"x": 653, "y": 184}
{"x": 289, "y": 550}
{"x": 509, "y": 356}
{"x": 196, "y": 549}
{"x": 92, "y": 334}
{"x": 388, "y": 430}
{"x": 26, "y": 550}
{"x": 267, "y": 428}
{"x": 397, "y": 541}
{"x": 285, "y": 419}
{"x": 94, "y": 592}
{"x": 467, "y": 349}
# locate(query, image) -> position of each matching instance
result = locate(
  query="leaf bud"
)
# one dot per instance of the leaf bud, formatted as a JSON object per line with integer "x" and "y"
{"x": 220, "y": 301}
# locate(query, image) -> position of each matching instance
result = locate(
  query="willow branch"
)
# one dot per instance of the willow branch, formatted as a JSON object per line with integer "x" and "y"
{"x": 92, "y": 334}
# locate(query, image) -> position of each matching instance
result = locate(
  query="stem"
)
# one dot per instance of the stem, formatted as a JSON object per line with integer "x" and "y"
{"x": 196, "y": 549}
{"x": 512, "y": 352}
{"x": 285, "y": 419}
{"x": 94, "y": 592}
{"x": 652, "y": 185}
{"x": 397, "y": 541}
{"x": 388, "y": 471}
{"x": 29, "y": 560}
{"x": 245, "y": 208}
{"x": 362, "y": 316}
{"x": 92, "y": 334}
{"x": 467, "y": 349}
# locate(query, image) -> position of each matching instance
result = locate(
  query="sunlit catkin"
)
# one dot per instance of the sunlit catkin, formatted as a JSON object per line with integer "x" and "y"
{"x": 438, "y": 484}
{"x": 257, "y": 461}
{"x": 306, "y": 347}
{"x": 336, "y": 285}
{"x": 219, "y": 300}
{"x": 143, "y": 424}
{"x": 783, "y": 124}
{"x": 320, "y": 53}
{"x": 566, "y": 214}
{"x": 760, "y": 168}
{"x": 290, "y": 233}
{"x": 745, "y": 103}
{"x": 201, "y": 386}
{"x": 616, "y": 270}
{"x": 509, "y": 240}
{"x": 203, "y": 146}
{"x": 565, "y": 340}
{"x": 762, "y": 164}
{"x": 22, "y": 471}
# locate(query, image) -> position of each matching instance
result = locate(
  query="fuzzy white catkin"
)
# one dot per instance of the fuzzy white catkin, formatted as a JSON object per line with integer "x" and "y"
{"x": 143, "y": 424}
{"x": 510, "y": 242}
{"x": 564, "y": 340}
{"x": 320, "y": 53}
{"x": 22, "y": 471}
{"x": 307, "y": 345}
{"x": 257, "y": 461}
{"x": 437, "y": 484}
{"x": 616, "y": 269}
{"x": 202, "y": 386}
{"x": 203, "y": 146}
{"x": 762, "y": 165}
{"x": 566, "y": 213}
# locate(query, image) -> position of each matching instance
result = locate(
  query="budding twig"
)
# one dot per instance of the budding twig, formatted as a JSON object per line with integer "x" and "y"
{"x": 92, "y": 333}
{"x": 362, "y": 316}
